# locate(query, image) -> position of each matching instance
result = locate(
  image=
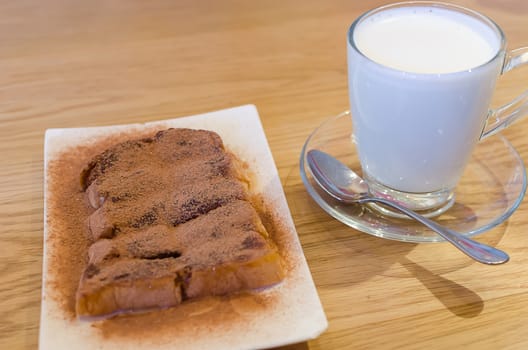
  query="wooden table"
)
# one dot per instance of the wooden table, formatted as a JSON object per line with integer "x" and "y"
{"x": 86, "y": 63}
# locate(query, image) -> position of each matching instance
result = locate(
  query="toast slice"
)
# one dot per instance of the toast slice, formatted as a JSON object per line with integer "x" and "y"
{"x": 172, "y": 221}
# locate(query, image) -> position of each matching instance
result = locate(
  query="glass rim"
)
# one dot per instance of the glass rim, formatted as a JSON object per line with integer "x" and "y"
{"x": 460, "y": 9}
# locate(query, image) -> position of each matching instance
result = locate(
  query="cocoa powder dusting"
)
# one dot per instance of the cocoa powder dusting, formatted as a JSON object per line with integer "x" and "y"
{"x": 69, "y": 239}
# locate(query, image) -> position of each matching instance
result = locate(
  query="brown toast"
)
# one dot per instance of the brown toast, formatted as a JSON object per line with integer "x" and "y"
{"x": 172, "y": 221}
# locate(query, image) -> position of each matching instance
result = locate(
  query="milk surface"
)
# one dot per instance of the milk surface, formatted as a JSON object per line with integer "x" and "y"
{"x": 426, "y": 40}
{"x": 414, "y": 126}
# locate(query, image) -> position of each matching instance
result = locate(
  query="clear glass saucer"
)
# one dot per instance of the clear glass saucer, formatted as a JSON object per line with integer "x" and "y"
{"x": 490, "y": 190}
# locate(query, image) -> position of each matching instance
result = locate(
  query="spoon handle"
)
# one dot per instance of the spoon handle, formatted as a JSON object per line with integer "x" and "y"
{"x": 480, "y": 252}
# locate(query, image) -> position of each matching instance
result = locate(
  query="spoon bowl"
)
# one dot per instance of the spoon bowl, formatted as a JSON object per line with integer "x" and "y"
{"x": 343, "y": 184}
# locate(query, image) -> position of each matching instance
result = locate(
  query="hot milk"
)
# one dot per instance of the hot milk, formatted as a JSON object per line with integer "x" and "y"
{"x": 426, "y": 40}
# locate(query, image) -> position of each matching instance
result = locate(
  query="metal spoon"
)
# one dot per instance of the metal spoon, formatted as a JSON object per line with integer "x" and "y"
{"x": 346, "y": 186}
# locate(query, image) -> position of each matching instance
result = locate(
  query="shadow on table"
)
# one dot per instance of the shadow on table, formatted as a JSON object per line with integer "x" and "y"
{"x": 458, "y": 299}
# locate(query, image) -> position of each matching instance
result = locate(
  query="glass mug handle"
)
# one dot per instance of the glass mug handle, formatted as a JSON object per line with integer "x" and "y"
{"x": 503, "y": 116}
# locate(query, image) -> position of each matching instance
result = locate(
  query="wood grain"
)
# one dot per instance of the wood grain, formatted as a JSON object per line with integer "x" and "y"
{"x": 75, "y": 63}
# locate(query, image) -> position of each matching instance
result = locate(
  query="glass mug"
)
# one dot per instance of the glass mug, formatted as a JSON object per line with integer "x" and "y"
{"x": 421, "y": 77}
